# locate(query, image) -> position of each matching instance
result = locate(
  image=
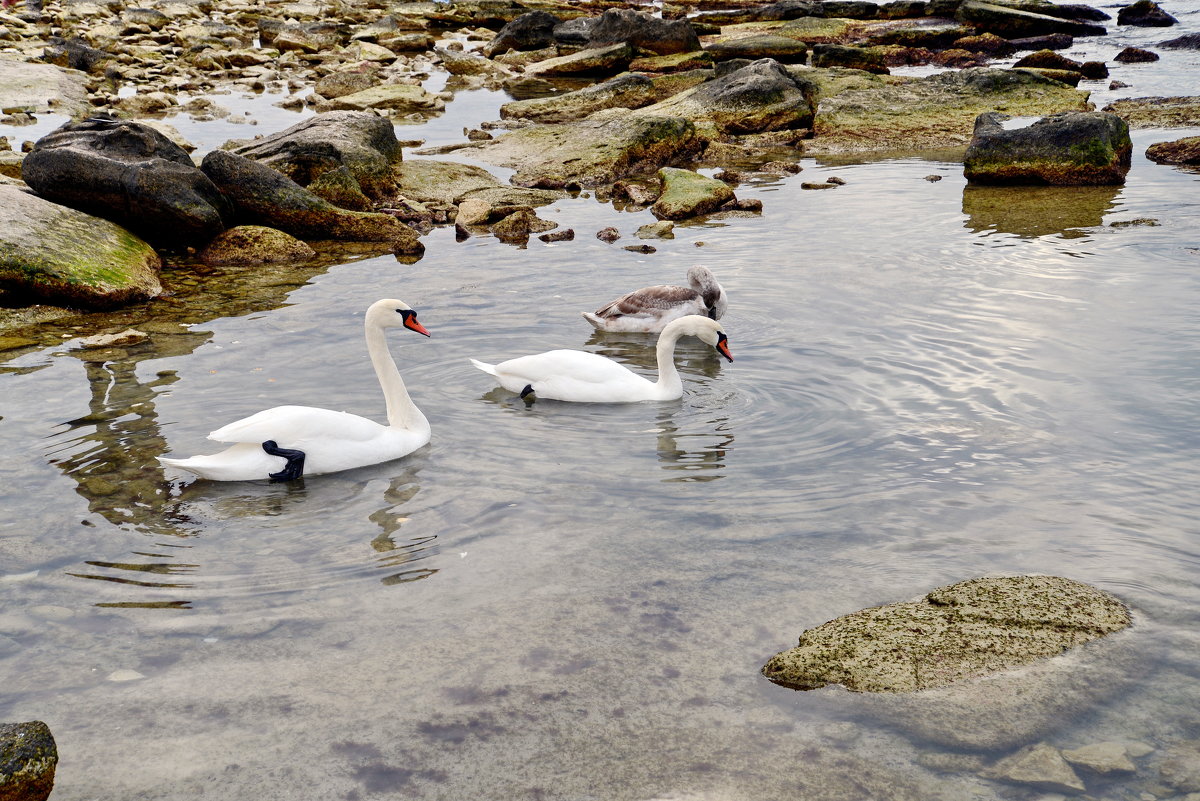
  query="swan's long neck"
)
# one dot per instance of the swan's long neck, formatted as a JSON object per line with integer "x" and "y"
{"x": 401, "y": 411}
{"x": 669, "y": 384}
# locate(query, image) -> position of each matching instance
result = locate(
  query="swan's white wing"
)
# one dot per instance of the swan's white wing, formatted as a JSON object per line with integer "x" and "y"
{"x": 291, "y": 426}
{"x": 573, "y": 375}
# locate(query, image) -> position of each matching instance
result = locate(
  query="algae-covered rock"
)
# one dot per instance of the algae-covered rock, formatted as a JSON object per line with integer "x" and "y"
{"x": 66, "y": 257}
{"x": 1181, "y": 151}
{"x": 28, "y": 758}
{"x": 1014, "y": 23}
{"x": 962, "y": 631}
{"x": 594, "y": 61}
{"x": 781, "y": 48}
{"x": 340, "y": 188}
{"x": 688, "y": 194}
{"x": 1157, "y": 112}
{"x": 938, "y": 111}
{"x": 857, "y": 58}
{"x": 255, "y": 244}
{"x": 397, "y": 99}
{"x": 262, "y": 196}
{"x": 761, "y": 96}
{"x": 676, "y": 62}
{"x": 1068, "y": 149}
{"x": 591, "y": 152}
{"x": 643, "y": 31}
{"x": 448, "y": 183}
{"x": 1040, "y": 766}
{"x": 1145, "y": 14}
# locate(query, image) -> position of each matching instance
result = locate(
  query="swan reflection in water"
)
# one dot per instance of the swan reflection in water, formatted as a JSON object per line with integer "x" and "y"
{"x": 693, "y": 455}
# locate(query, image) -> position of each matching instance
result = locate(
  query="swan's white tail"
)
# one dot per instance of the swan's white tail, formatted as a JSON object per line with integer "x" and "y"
{"x": 490, "y": 369}
{"x": 593, "y": 319}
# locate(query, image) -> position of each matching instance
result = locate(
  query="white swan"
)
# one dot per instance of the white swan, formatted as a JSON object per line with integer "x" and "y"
{"x": 576, "y": 375}
{"x": 651, "y": 308}
{"x": 287, "y": 442}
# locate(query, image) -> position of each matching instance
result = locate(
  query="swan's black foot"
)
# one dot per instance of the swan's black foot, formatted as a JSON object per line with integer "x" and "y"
{"x": 294, "y": 468}
{"x": 527, "y": 394}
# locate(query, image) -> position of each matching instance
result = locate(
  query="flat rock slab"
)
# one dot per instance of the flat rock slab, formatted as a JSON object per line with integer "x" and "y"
{"x": 39, "y": 88}
{"x": 1157, "y": 112}
{"x": 962, "y": 631}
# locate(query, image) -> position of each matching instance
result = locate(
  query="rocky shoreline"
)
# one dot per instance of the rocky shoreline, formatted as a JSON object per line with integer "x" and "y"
{"x": 606, "y": 98}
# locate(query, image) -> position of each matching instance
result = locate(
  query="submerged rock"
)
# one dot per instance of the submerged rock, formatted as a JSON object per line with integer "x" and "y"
{"x": 1068, "y": 149}
{"x": 131, "y": 174}
{"x": 65, "y": 257}
{"x": 1157, "y": 112}
{"x": 37, "y": 88}
{"x": 28, "y": 758}
{"x": 1040, "y": 766}
{"x": 961, "y": 631}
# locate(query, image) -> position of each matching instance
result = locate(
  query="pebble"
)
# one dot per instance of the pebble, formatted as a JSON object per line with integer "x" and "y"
{"x": 125, "y": 675}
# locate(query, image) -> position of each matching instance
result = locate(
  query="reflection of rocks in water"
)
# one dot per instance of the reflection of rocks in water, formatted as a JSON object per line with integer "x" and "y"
{"x": 112, "y": 453}
{"x": 394, "y": 551}
{"x": 1031, "y": 211}
{"x": 693, "y": 455}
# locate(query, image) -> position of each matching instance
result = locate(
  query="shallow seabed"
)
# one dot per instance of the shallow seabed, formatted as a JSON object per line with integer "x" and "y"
{"x": 932, "y": 383}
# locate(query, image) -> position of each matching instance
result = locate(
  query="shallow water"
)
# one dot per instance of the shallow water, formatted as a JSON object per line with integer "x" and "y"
{"x": 932, "y": 382}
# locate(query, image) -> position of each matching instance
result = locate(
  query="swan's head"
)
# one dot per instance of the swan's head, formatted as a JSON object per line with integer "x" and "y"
{"x": 706, "y": 329}
{"x": 703, "y": 281}
{"x": 392, "y": 313}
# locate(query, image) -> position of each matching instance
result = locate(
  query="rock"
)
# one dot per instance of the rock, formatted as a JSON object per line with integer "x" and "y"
{"x": 1068, "y": 77}
{"x": 28, "y": 758}
{"x": 1068, "y": 149}
{"x": 364, "y": 142}
{"x": 1053, "y": 41}
{"x": 520, "y": 224}
{"x": 934, "y": 37}
{"x": 1107, "y": 758}
{"x": 1157, "y": 112}
{"x": 937, "y": 111}
{"x": 1180, "y": 151}
{"x": 628, "y": 90}
{"x": 262, "y": 196}
{"x": 964, "y": 630}
{"x": 1048, "y": 59}
{"x": 38, "y": 88}
{"x": 591, "y": 152}
{"x": 780, "y": 48}
{"x": 75, "y": 54}
{"x": 473, "y": 211}
{"x": 397, "y": 99}
{"x": 609, "y": 234}
{"x": 1145, "y": 14}
{"x": 449, "y": 183}
{"x": 988, "y": 43}
{"x": 348, "y": 81}
{"x": 131, "y": 174}
{"x": 1180, "y": 768}
{"x": 858, "y": 58}
{"x": 1013, "y": 22}
{"x": 531, "y": 31}
{"x": 69, "y": 258}
{"x": 644, "y": 32}
{"x": 470, "y": 64}
{"x": 564, "y": 235}
{"x": 761, "y": 96}
{"x": 1189, "y": 41}
{"x": 255, "y": 244}
{"x": 1040, "y": 766}
{"x": 340, "y": 188}
{"x": 663, "y": 229}
{"x": 1135, "y": 55}
{"x": 688, "y": 194}
{"x": 595, "y": 61}
{"x": 677, "y": 62}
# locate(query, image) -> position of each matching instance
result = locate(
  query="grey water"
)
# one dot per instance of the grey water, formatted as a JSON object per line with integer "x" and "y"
{"x": 932, "y": 382}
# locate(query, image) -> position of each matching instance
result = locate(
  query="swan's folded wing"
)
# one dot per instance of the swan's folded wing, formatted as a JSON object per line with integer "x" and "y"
{"x": 290, "y": 425}
{"x": 650, "y": 300}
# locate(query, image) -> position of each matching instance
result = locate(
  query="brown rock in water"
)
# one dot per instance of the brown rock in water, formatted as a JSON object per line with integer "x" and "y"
{"x": 957, "y": 632}
{"x": 255, "y": 244}
{"x": 1135, "y": 55}
{"x": 1040, "y": 766}
{"x": 28, "y": 758}
{"x": 1181, "y": 151}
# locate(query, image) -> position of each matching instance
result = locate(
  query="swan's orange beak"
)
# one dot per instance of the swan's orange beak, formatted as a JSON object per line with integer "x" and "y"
{"x": 410, "y": 322}
{"x": 723, "y": 346}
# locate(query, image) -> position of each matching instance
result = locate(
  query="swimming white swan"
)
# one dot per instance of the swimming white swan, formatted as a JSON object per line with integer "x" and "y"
{"x": 287, "y": 442}
{"x": 651, "y": 308}
{"x": 576, "y": 375}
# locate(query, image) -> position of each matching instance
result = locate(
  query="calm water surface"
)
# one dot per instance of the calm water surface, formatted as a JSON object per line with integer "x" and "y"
{"x": 932, "y": 383}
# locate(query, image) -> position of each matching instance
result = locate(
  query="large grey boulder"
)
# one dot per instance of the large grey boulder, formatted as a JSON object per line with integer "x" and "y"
{"x": 38, "y": 88}
{"x": 531, "y": 31}
{"x": 639, "y": 29}
{"x": 364, "y": 142}
{"x": 28, "y": 758}
{"x": 262, "y": 196}
{"x": 65, "y": 257}
{"x": 1067, "y": 149}
{"x": 761, "y": 96}
{"x": 131, "y": 174}
{"x": 962, "y": 631}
